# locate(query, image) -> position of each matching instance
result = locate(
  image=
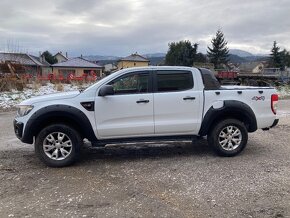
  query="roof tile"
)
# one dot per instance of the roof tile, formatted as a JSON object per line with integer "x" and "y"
{"x": 77, "y": 62}
{"x": 23, "y": 59}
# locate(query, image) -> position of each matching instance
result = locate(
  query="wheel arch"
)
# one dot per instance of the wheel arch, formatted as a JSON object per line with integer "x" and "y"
{"x": 231, "y": 109}
{"x": 64, "y": 114}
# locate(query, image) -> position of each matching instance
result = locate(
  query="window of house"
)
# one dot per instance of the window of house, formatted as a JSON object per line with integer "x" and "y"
{"x": 66, "y": 72}
{"x": 131, "y": 84}
{"x": 172, "y": 81}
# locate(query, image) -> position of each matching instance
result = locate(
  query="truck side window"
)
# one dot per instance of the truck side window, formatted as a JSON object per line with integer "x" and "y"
{"x": 134, "y": 83}
{"x": 172, "y": 81}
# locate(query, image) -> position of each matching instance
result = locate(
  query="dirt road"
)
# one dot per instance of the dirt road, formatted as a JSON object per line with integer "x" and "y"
{"x": 150, "y": 180}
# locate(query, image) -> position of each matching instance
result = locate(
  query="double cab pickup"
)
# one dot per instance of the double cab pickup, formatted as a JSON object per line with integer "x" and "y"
{"x": 145, "y": 103}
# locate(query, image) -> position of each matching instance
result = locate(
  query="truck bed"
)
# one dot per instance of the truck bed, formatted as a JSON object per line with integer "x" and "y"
{"x": 257, "y": 98}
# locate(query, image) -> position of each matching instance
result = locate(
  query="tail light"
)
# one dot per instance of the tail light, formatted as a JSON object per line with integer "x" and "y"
{"x": 274, "y": 102}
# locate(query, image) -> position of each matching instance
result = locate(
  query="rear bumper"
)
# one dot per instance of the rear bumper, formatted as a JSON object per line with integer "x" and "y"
{"x": 276, "y": 121}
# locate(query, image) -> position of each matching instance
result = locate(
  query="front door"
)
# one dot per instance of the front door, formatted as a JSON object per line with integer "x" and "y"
{"x": 129, "y": 112}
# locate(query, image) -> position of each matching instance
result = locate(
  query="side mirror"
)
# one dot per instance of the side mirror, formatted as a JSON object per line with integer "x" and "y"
{"x": 106, "y": 90}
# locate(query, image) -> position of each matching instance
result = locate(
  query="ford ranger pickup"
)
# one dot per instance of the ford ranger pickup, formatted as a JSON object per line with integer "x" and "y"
{"x": 145, "y": 103}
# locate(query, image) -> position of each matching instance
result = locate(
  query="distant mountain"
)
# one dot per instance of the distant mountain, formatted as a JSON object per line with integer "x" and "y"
{"x": 262, "y": 55}
{"x": 104, "y": 62}
{"x": 114, "y": 58}
{"x": 235, "y": 56}
{"x": 154, "y": 55}
{"x": 235, "y": 59}
{"x": 240, "y": 53}
{"x": 256, "y": 58}
{"x": 241, "y": 56}
{"x": 155, "y": 61}
{"x": 100, "y": 57}
{"x": 154, "y": 58}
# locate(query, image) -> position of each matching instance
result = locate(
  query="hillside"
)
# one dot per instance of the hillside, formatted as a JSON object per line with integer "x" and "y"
{"x": 236, "y": 59}
{"x": 240, "y": 53}
{"x": 236, "y": 56}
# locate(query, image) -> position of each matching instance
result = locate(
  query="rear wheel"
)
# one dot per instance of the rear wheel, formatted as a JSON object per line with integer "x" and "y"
{"x": 228, "y": 138}
{"x": 58, "y": 145}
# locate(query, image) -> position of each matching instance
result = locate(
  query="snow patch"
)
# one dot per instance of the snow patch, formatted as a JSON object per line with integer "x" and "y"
{"x": 14, "y": 97}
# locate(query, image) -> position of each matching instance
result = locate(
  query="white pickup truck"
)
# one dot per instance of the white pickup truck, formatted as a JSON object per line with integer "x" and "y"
{"x": 146, "y": 103}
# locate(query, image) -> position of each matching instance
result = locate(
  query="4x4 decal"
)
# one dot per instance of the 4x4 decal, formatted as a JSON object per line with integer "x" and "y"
{"x": 258, "y": 98}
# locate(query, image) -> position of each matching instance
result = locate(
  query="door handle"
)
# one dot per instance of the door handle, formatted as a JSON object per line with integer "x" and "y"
{"x": 188, "y": 98}
{"x": 142, "y": 101}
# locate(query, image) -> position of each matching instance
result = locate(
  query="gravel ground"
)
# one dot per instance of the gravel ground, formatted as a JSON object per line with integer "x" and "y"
{"x": 150, "y": 179}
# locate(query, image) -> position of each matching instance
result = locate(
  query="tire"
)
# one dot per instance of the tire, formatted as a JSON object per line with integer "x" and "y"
{"x": 58, "y": 145}
{"x": 228, "y": 138}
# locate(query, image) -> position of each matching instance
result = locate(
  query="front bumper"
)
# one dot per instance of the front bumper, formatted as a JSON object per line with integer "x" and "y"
{"x": 24, "y": 136}
{"x": 18, "y": 128}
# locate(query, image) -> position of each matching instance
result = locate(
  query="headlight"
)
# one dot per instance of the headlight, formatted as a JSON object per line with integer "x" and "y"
{"x": 23, "y": 110}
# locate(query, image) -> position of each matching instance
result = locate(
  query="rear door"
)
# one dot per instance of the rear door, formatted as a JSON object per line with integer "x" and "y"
{"x": 129, "y": 112}
{"x": 177, "y": 103}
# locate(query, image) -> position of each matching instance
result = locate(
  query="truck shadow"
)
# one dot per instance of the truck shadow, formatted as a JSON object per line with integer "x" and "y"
{"x": 131, "y": 151}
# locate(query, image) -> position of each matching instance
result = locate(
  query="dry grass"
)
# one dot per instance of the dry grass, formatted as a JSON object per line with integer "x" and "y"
{"x": 58, "y": 87}
{"x": 36, "y": 85}
{"x": 7, "y": 84}
{"x": 43, "y": 83}
{"x": 77, "y": 83}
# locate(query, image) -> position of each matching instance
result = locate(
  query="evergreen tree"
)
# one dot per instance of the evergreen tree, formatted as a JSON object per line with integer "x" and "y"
{"x": 279, "y": 59}
{"x": 200, "y": 58}
{"x": 275, "y": 55}
{"x": 285, "y": 58}
{"x": 181, "y": 53}
{"x": 219, "y": 52}
{"x": 49, "y": 58}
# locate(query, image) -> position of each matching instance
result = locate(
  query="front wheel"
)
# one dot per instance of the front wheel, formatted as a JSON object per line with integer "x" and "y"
{"x": 228, "y": 138}
{"x": 58, "y": 145}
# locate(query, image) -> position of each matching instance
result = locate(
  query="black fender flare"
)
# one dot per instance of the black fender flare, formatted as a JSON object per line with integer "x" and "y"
{"x": 231, "y": 108}
{"x": 58, "y": 113}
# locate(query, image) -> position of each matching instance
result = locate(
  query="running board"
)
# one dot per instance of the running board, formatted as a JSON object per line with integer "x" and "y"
{"x": 103, "y": 142}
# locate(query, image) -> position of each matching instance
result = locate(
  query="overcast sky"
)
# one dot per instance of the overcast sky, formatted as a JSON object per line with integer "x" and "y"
{"x": 108, "y": 27}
